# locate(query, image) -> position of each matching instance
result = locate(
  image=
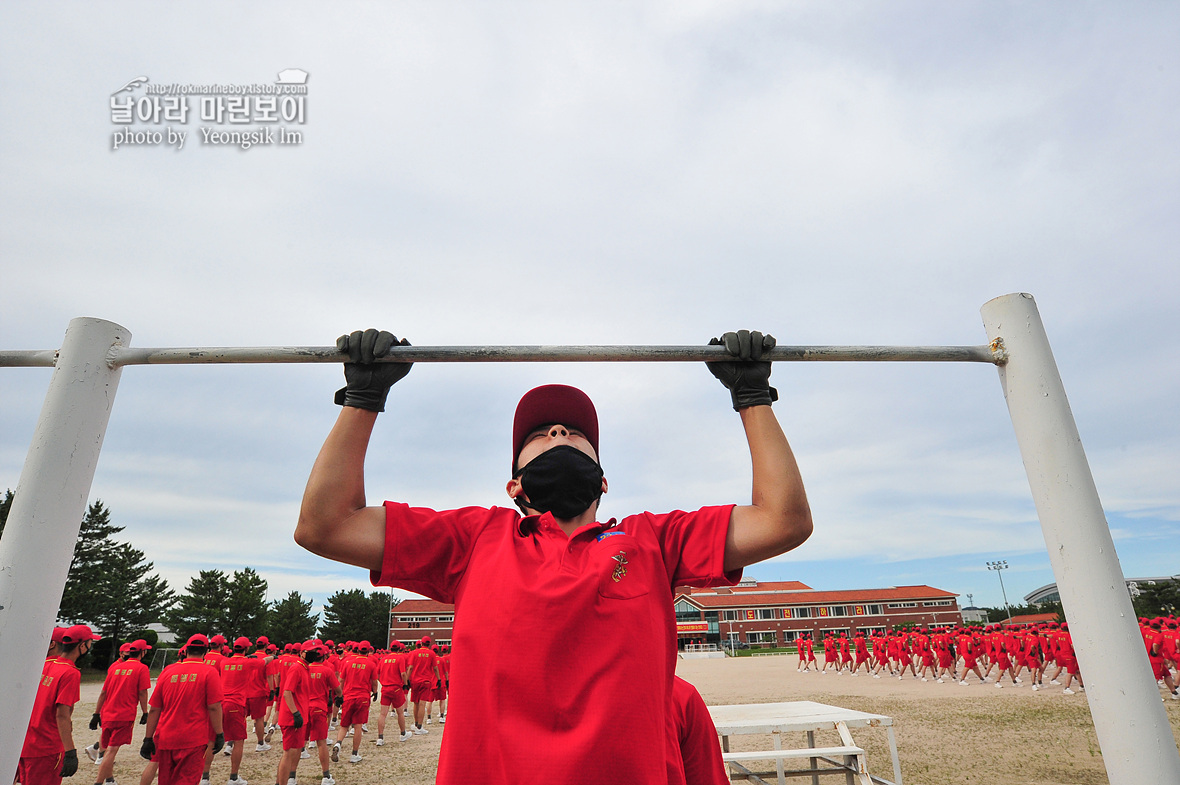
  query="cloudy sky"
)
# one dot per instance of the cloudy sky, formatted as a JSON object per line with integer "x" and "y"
{"x": 614, "y": 173}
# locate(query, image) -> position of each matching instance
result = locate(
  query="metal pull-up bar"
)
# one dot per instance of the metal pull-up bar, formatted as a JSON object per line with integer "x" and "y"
{"x": 1132, "y": 727}
{"x": 120, "y": 356}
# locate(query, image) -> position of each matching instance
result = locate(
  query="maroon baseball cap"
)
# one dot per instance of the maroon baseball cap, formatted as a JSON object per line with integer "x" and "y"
{"x": 553, "y": 403}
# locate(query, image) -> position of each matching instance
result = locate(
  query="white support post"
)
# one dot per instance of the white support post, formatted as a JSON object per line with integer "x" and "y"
{"x": 1133, "y": 731}
{"x": 47, "y": 510}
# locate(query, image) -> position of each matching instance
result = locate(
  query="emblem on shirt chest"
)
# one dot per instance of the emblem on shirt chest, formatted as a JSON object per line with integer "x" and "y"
{"x": 620, "y": 566}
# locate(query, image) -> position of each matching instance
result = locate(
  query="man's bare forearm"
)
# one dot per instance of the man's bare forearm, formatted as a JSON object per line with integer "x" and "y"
{"x": 333, "y": 519}
{"x": 778, "y": 517}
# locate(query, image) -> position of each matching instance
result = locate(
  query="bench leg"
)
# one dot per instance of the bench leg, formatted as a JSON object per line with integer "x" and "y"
{"x": 814, "y": 763}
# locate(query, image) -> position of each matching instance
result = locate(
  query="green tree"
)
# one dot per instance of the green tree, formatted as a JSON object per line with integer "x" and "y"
{"x": 350, "y": 615}
{"x": 291, "y": 620}
{"x": 94, "y": 552}
{"x": 246, "y": 610}
{"x": 201, "y": 607}
{"x": 5, "y": 506}
{"x": 1161, "y": 598}
{"x": 131, "y": 596}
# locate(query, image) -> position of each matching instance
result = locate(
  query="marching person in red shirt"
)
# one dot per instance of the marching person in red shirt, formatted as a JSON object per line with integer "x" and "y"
{"x": 239, "y": 672}
{"x": 596, "y": 597}
{"x": 185, "y": 715}
{"x": 391, "y": 674}
{"x": 124, "y": 696}
{"x": 423, "y": 670}
{"x": 49, "y": 753}
{"x": 258, "y": 692}
{"x": 359, "y": 682}
{"x": 325, "y": 687}
{"x": 294, "y": 709}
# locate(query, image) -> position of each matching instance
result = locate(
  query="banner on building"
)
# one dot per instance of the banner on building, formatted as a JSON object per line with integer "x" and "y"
{"x": 692, "y": 626}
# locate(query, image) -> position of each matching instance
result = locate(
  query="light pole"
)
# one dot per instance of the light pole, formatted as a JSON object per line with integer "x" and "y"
{"x": 998, "y": 566}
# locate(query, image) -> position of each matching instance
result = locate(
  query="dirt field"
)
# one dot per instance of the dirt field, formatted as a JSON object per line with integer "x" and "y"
{"x": 946, "y": 734}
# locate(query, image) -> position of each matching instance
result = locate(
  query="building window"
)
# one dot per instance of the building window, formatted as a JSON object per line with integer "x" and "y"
{"x": 764, "y": 613}
{"x": 797, "y": 613}
{"x": 446, "y": 618}
{"x": 686, "y": 611}
{"x": 733, "y": 615}
{"x": 413, "y": 619}
{"x": 874, "y": 610}
{"x": 894, "y": 605}
{"x": 838, "y": 610}
{"x": 938, "y": 603}
{"x": 764, "y": 638}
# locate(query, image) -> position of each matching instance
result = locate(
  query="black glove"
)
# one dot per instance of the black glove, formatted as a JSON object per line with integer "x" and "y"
{"x": 368, "y": 382}
{"x": 296, "y": 721}
{"x": 274, "y": 694}
{"x": 147, "y": 749}
{"x": 372, "y": 697}
{"x": 748, "y": 377}
{"x": 339, "y": 700}
{"x": 219, "y": 740}
{"x": 143, "y": 719}
{"x": 69, "y": 763}
{"x": 95, "y": 721}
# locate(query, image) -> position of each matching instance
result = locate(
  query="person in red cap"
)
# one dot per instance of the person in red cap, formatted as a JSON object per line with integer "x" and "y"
{"x": 324, "y": 690}
{"x": 589, "y": 603}
{"x": 391, "y": 675}
{"x": 359, "y": 683}
{"x": 294, "y": 698}
{"x": 184, "y": 716}
{"x": 424, "y": 674}
{"x": 48, "y": 753}
{"x": 239, "y": 674}
{"x": 258, "y": 691}
{"x": 124, "y": 696}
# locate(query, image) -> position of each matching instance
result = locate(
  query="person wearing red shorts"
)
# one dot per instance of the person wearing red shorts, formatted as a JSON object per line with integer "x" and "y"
{"x": 423, "y": 670}
{"x": 324, "y": 689}
{"x": 238, "y": 674}
{"x": 969, "y": 650}
{"x": 48, "y": 753}
{"x": 294, "y": 708}
{"x": 258, "y": 691}
{"x": 391, "y": 676}
{"x": 588, "y": 603}
{"x": 185, "y": 715}
{"x": 1154, "y": 640}
{"x": 359, "y": 683}
{"x": 124, "y": 696}
{"x": 861, "y": 648}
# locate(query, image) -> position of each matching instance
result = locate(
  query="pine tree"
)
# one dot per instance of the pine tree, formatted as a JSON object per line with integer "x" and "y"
{"x": 350, "y": 615}
{"x": 5, "y": 506}
{"x": 291, "y": 620}
{"x": 82, "y": 599}
{"x": 130, "y": 596}
{"x": 201, "y": 607}
{"x": 246, "y": 609}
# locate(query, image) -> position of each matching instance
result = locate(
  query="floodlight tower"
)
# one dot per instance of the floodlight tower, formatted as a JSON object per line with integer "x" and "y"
{"x": 998, "y": 566}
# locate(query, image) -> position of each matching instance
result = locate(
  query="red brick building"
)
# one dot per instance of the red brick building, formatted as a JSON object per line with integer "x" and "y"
{"x": 759, "y": 614}
{"x": 773, "y": 613}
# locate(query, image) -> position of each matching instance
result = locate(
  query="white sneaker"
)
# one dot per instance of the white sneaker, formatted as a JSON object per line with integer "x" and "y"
{"x": 291, "y": 780}
{"x": 204, "y": 780}
{"x": 228, "y": 749}
{"x": 350, "y": 729}
{"x": 405, "y": 736}
{"x": 939, "y": 680}
{"x": 336, "y": 752}
{"x": 1019, "y": 680}
{"x": 1176, "y": 696}
{"x": 442, "y": 720}
{"x": 999, "y": 686}
{"x": 380, "y": 742}
{"x": 924, "y": 678}
{"x": 304, "y": 755}
{"x": 420, "y": 731}
{"x": 98, "y": 760}
{"x": 261, "y": 747}
{"x": 1035, "y": 688}
{"x": 365, "y": 727}
{"x": 963, "y": 683}
{"x": 239, "y": 781}
{"x": 92, "y": 753}
{"x": 328, "y": 781}
{"x": 1067, "y": 691}
{"x": 427, "y": 720}
{"x": 354, "y": 758}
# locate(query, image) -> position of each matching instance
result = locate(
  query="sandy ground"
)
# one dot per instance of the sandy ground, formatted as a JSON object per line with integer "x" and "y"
{"x": 946, "y": 734}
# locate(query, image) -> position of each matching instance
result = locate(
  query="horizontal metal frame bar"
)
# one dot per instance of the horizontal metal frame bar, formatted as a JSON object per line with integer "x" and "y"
{"x": 492, "y": 354}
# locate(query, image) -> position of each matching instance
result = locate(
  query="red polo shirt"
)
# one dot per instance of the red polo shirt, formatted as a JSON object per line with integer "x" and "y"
{"x": 184, "y": 692}
{"x": 237, "y": 675}
{"x": 357, "y": 674}
{"x": 296, "y": 682}
{"x": 125, "y": 680}
{"x": 323, "y": 684}
{"x": 422, "y": 664}
{"x": 552, "y": 631}
{"x": 59, "y": 685}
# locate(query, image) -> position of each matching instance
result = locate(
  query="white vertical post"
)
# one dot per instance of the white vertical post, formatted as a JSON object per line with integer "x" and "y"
{"x": 1133, "y": 731}
{"x": 47, "y": 510}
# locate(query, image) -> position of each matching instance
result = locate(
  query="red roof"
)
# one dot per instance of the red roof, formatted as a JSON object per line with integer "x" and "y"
{"x": 708, "y": 598}
{"x": 1031, "y": 618}
{"x": 423, "y": 608}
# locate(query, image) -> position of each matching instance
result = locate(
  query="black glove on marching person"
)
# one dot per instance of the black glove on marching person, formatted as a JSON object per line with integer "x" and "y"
{"x": 69, "y": 763}
{"x": 147, "y": 749}
{"x": 339, "y": 700}
{"x": 368, "y": 382}
{"x": 219, "y": 739}
{"x": 748, "y": 376}
{"x": 296, "y": 721}
{"x": 95, "y": 721}
{"x": 143, "y": 719}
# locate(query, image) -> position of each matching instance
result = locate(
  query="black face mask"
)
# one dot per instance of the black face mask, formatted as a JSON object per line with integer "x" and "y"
{"x": 564, "y": 481}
